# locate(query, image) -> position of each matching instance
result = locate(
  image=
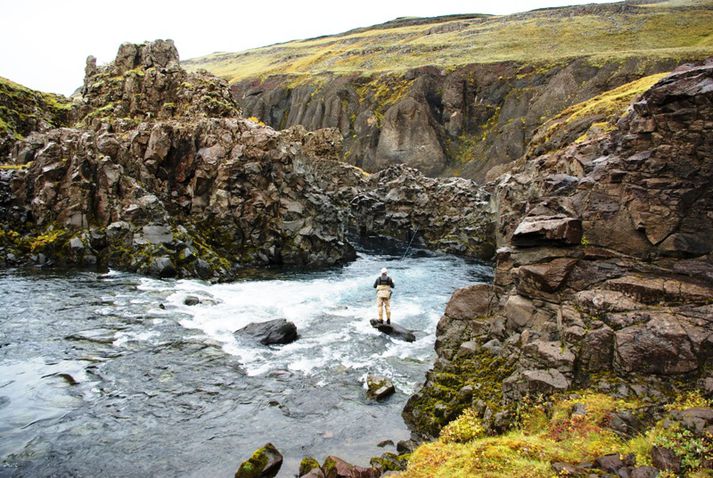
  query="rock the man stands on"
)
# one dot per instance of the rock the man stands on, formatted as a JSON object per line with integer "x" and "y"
{"x": 383, "y": 286}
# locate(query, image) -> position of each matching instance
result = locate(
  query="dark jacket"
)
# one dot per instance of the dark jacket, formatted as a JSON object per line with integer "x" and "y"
{"x": 387, "y": 281}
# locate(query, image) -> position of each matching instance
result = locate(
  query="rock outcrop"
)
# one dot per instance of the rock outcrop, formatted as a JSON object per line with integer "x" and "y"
{"x": 159, "y": 174}
{"x": 603, "y": 273}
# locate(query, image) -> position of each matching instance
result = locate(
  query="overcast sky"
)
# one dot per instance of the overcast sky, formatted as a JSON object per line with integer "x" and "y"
{"x": 45, "y": 42}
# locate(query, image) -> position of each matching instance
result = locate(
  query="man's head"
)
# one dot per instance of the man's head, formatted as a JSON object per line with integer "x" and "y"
{"x": 384, "y": 271}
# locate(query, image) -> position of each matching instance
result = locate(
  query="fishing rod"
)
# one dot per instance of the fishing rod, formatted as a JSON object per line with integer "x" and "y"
{"x": 409, "y": 244}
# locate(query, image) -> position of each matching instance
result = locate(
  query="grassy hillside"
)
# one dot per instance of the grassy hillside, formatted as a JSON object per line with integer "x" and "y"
{"x": 23, "y": 110}
{"x": 672, "y": 29}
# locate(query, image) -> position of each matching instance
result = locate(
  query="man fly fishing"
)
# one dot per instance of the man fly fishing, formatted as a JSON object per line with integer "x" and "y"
{"x": 383, "y": 286}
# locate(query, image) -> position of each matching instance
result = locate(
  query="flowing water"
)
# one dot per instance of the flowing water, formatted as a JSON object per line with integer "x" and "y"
{"x": 112, "y": 375}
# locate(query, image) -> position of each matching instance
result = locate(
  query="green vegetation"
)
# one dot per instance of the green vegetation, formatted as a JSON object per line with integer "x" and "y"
{"x": 595, "y": 116}
{"x": 609, "y": 105}
{"x": 23, "y": 110}
{"x": 444, "y": 399}
{"x": 674, "y": 29}
{"x": 575, "y": 430}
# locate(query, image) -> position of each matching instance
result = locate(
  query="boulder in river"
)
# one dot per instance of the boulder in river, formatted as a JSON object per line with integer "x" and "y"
{"x": 278, "y": 331}
{"x": 191, "y": 300}
{"x": 264, "y": 463}
{"x": 393, "y": 330}
{"x": 335, "y": 467}
{"x": 379, "y": 387}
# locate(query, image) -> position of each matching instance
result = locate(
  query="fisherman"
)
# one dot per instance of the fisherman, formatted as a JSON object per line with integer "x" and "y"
{"x": 383, "y": 286}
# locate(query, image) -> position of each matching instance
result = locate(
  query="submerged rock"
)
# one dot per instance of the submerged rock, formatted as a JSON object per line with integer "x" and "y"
{"x": 272, "y": 332}
{"x": 264, "y": 463}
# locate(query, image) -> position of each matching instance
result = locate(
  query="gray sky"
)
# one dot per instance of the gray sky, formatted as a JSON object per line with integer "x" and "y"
{"x": 45, "y": 42}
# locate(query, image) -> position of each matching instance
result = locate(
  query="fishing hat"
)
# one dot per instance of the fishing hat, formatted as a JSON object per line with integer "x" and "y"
{"x": 384, "y": 271}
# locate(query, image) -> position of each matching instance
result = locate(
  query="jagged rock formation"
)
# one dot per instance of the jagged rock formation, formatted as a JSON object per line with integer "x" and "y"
{"x": 159, "y": 174}
{"x": 191, "y": 194}
{"x": 604, "y": 275}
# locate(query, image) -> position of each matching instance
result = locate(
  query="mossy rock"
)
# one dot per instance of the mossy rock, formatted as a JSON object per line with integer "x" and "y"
{"x": 265, "y": 462}
{"x": 443, "y": 398}
{"x": 308, "y": 464}
{"x": 390, "y": 462}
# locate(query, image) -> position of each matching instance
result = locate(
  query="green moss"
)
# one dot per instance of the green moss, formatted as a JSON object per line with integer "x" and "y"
{"x": 390, "y": 462}
{"x": 442, "y": 401}
{"x": 23, "y": 110}
{"x": 252, "y": 468}
{"x": 307, "y": 464}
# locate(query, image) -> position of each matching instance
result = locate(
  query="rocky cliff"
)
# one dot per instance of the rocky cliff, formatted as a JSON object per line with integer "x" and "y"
{"x": 459, "y": 95}
{"x": 604, "y": 272}
{"x": 159, "y": 173}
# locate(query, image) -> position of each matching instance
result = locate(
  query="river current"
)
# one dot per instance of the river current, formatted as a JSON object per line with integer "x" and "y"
{"x": 113, "y": 375}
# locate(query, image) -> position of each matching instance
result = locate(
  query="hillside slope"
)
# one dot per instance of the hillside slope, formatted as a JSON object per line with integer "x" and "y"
{"x": 460, "y": 94}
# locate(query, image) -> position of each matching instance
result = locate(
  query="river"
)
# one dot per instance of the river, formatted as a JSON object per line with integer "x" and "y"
{"x": 110, "y": 374}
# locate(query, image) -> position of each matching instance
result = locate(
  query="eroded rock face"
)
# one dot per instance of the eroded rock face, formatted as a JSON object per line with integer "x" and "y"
{"x": 159, "y": 174}
{"x": 601, "y": 268}
{"x": 464, "y": 121}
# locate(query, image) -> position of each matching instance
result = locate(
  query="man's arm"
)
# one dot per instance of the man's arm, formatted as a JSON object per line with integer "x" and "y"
{"x": 391, "y": 283}
{"x": 376, "y": 282}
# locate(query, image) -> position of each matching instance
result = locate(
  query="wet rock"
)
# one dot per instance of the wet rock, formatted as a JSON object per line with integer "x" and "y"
{"x": 406, "y": 446}
{"x": 272, "y": 332}
{"x": 101, "y": 336}
{"x": 161, "y": 267}
{"x": 191, "y": 300}
{"x": 314, "y": 473}
{"x": 394, "y": 330}
{"x": 379, "y": 387}
{"x": 308, "y": 464}
{"x": 264, "y": 463}
{"x": 335, "y": 467}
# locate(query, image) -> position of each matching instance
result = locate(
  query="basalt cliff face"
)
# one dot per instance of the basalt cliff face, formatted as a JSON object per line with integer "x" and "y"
{"x": 462, "y": 122}
{"x": 156, "y": 171}
{"x": 459, "y": 95}
{"x": 604, "y": 271}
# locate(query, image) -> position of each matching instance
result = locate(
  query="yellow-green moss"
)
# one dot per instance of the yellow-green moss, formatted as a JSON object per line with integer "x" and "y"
{"x": 22, "y": 110}
{"x": 442, "y": 401}
{"x": 558, "y": 435}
